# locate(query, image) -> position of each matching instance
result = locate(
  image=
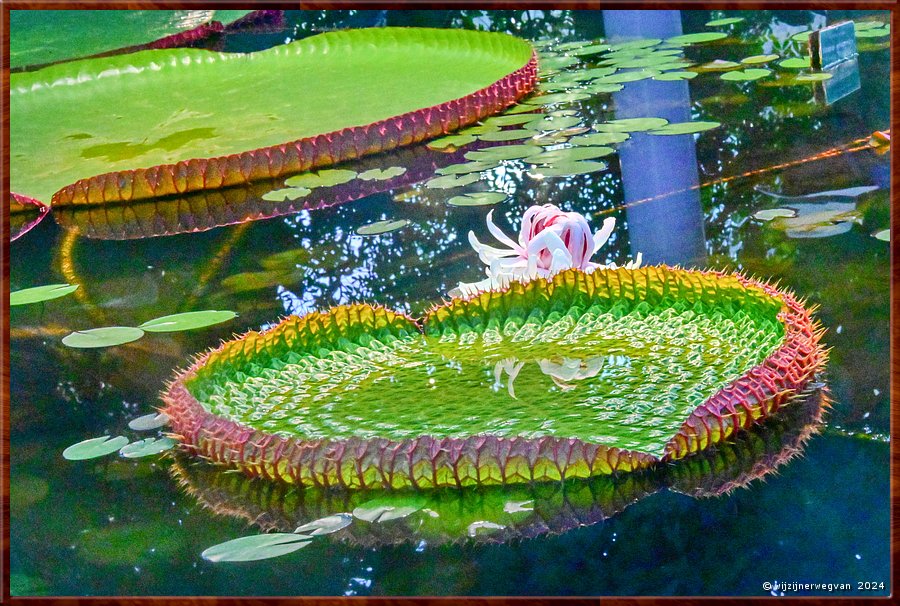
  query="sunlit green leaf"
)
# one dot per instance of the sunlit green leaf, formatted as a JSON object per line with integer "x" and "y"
{"x": 696, "y": 38}
{"x": 149, "y": 421}
{"x": 813, "y": 77}
{"x": 684, "y": 128}
{"x": 93, "y": 448}
{"x": 377, "y": 174}
{"x": 187, "y": 321}
{"x": 147, "y": 447}
{"x": 389, "y": 508}
{"x": 593, "y": 49}
{"x": 107, "y": 336}
{"x": 746, "y": 75}
{"x": 726, "y": 21}
{"x": 41, "y": 293}
{"x": 801, "y": 36}
{"x": 382, "y": 227}
{"x": 720, "y": 64}
{"x": 630, "y": 125}
{"x": 559, "y": 62}
{"x": 455, "y": 141}
{"x": 508, "y": 135}
{"x": 774, "y": 213}
{"x": 479, "y": 129}
{"x": 326, "y": 525}
{"x": 466, "y": 168}
{"x": 621, "y": 77}
{"x": 883, "y": 235}
{"x": 449, "y": 181}
{"x": 601, "y": 87}
{"x": 478, "y": 198}
{"x": 672, "y": 76}
{"x": 567, "y": 169}
{"x": 795, "y": 63}
{"x": 510, "y": 120}
{"x": 633, "y": 44}
{"x": 568, "y": 155}
{"x": 323, "y": 178}
{"x": 256, "y": 547}
{"x": 553, "y": 123}
{"x": 289, "y": 193}
{"x": 606, "y": 138}
{"x": 864, "y": 25}
{"x": 556, "y": 98}
{"x": 756, "y": 59}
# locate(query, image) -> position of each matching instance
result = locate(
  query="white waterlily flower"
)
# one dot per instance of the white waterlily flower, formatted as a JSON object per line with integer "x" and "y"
{"x": 550, "y": 241}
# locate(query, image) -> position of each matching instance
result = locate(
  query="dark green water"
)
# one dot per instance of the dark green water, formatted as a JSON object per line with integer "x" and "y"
{"x": 110, "y": 527}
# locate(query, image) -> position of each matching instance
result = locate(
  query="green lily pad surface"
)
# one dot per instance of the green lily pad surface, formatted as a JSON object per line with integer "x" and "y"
{"x": 41, "y": 293}
{"x": 85, "y": 118}
{"x": 615, "y": 358}
{"x": 257, "y": 547}
{"x": 147, "y": 447}
{"x": 93, "y": 448}
{"x": 38, "y": 37}
{"x": 107, "y": 336}
{"x": 382, "y": 227}
{"x": 187, "y": 321}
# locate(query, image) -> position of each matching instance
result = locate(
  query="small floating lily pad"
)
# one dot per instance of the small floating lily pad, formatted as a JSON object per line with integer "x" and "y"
{"x": 602, "y": 87}
{"x": 621, "y": 77}
{"x": 725, "y": 21}
{"x": 552, "y": 123}
{"x": 696, "y": 38}
{"x": 746, "y": 75}
{"x": 567, "y": 169}
{"x": 795, "y": 63}
{"x": 93, "y": 448}
{"x": 326, "y": 525}
{"x": 864, "y": 25}
{"x": 377, "y": 174}
{"x": 673, "y": 76}
{"x": 478, "y": 198}
{"x": 652, "y": 60}
{"x": 874, "y": 32}
{"x": 148, "y": 422}
{"x": 256, "y": 547}
{"x": 385, "y": 509}
{"x": 605, "y": 138}
{"x": 479, "y": 129}
{"x": 593, "y": 49}
{"x": 382, "y": 227}
{"x": 322, "y": 178}
{"x": 556, "y": 98}
{"x": 558, "y": 62}
{"x": 884, "y": 235}
{"x": 635, "y": 44}
{"x": 813, "y": 77}
{"x": 568, "y": 155}
{"x": 756, "y": 59}
{"x": 107, "y": 336}
{"x": 288, "y": 193}
{"x": 147, "y": 447}
{"x": 454, "y": 141}
{"x": 684, "y": 128}
{"x": 187, "y": 321}
{"x": 510, "y": 120}
{"x": 508, "y": 135}
{"x": 450, "y": 181}
{"x": 630, "y": 125}
{"x": 466, "y": 168}
{"x": 41, "y": 293}
{"x": 801, "y": 36}
{"x": 503, "y": 152}
{"x": 774, "y": 213}
{"x": 720, "y": 64}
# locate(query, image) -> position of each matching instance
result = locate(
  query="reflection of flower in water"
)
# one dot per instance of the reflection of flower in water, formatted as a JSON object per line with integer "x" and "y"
{"x": 550, "y": 241}
{"x": 571, "y": 369}
{"x": 512, "y": 370}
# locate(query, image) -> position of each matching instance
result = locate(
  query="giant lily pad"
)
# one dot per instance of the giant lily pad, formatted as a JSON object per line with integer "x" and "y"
{"x": 671, "y": 362}
{"x": 159, "y": 123}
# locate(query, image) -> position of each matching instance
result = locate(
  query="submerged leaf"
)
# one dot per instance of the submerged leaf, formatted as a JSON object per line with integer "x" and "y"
{"x": 93, "y": 448}
{"x": 107, "y": 336}
{"x": 256, "y": 547}
{"x": 187, "y": 321}
{"x": 41, "y": 293}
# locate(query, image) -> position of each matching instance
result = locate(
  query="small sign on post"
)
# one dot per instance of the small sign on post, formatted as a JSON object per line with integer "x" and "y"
{"x": 833, "y": 44}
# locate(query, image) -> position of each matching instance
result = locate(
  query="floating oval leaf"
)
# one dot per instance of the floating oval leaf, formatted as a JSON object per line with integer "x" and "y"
{"x": 568, "y": 155}
{"x": 874, "y": 33}
{"x": 147, "y": 447}
{"x": 620, "y": 77}
{"x": 326, "y": 525}
{"x": 510, "y": 120}
{"x": 107, "y": 336}
{"x": 503, "y": 152}
{"x": 726, "y": 21}
{"x": 635, "y": 44}
{"x": 149, "y": 421}
{"x": 455, "y": 141}
{"x": 93, "y": 448}
{"x": 884, "y": 235}
{"x": 774, "y": 213}
{"x": 553, "y": 123}
{"x": 466, "y": 168}
{"x": 508, "y": 135}
{"x": 801, "y": 36}
{"x": 605, "y": 138}
{"x": 755, "y": 59}
{"x": 41, "y": 293}
{"x": 696, "y": 38}
{"x": 556, "y": 98}
{"x": 631, "y": 125}
{"x": 322, "y": 178}
{"x": 377, "y": 174}
{"x": 289, "y": 193}
{"x": 257, "y": 547}
{"x": 673, "y": 76}
{"x": 386, "y": 509}
{"x": 720, "y": 64}
{"x": 746, "y": 75}
{"x": 684, "y": 128}
{"x": 382, "y": 227}
{"x": 558, "y": 62}
{"x": 864, "y": 25}
{"x": 795, "y": 63}
{"x": 814, "y": 77}
{"x": 187, "y": 321}
{"x": 603, "y": 88}
{"x": 568, "y": 169}
{"x": 479, "y": 198}
{"x": 593, "y": 49}
{"x": 479, "y": 129}
{"x": 449, "y": 181}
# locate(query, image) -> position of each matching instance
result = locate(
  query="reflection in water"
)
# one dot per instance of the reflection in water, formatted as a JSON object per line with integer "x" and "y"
{"x": 503, "y": 513}
{"x": 668, "y": 229}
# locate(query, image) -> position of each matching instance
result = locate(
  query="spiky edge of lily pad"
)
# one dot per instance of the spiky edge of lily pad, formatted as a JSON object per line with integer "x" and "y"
{"x": 427, "y": 462}
{"x": 304, "y": 154}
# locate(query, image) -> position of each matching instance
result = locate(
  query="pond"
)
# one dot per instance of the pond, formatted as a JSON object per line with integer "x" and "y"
{"x": 776, "y": 179}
